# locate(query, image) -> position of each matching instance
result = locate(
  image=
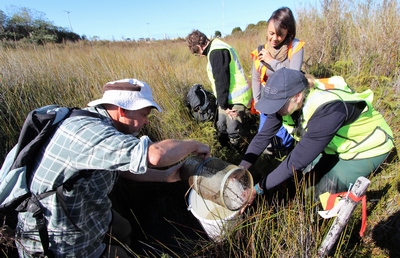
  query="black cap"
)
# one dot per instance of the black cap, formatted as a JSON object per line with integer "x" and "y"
{"x": 281, "y": 85}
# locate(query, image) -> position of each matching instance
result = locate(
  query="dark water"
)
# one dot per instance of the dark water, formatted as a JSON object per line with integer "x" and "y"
{"x": 162, "y": 219}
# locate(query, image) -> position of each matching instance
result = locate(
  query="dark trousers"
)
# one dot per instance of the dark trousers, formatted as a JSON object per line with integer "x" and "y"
{"x": 119, "y": 234}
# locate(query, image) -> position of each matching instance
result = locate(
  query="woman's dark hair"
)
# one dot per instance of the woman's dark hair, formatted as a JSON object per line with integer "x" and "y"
{"x": 283, "y": 19}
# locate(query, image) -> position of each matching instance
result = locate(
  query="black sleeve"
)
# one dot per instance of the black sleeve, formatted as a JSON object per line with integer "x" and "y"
{"x": 220, "y": 60}
{"x": 263, "y": 138}
{"x": 321, "y": 128}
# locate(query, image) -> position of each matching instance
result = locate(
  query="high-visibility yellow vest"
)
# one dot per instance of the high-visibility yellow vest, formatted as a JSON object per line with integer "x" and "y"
{"x": 293, "y": 48}
{"x": 239, "y": 88}
{"x": 368, "y": 136}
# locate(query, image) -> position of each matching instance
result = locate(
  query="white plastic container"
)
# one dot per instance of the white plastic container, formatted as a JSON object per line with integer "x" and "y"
{"x": 215, "y": 219}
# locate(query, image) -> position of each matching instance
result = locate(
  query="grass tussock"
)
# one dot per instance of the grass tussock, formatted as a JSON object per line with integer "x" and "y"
{"x": 358, "y": 40}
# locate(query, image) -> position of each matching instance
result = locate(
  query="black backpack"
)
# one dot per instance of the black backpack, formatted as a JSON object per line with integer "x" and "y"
{"x": 201, "y": 103}
{"x": 16, "y": 171}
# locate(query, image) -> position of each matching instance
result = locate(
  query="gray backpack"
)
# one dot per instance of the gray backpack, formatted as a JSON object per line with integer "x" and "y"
{"x": 201, "y": 103}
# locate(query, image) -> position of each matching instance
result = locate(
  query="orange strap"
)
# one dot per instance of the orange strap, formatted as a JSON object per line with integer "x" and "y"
{"x": 331, "y": 203}
{"x": 253, "y": 110}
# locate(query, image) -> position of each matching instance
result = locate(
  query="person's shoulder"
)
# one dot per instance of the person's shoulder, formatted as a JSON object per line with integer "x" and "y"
{"x": 332, "y": 108}
{"x": 217, "y": 52}
{"x": 97, "y": 111}
{"x": 220, "y": 43}
{"x": 88, "y": 115}
{"x": 297, "y": 42}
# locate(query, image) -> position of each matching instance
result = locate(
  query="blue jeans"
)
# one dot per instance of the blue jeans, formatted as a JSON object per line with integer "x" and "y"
{"x": 284, "y": 139}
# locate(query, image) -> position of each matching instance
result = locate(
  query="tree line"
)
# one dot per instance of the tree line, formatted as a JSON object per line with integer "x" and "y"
{"x": 30, "y": 26}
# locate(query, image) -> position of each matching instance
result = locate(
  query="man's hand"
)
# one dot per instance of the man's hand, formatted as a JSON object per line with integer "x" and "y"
{"x": 203, "y": 150}
{"x": 253, "y": 195}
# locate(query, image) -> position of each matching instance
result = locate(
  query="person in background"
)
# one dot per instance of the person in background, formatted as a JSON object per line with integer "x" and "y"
{"x": 327, "y": 118}
{"x": 282, "y": 49}
{"x": 107, "y": 146}
{"x": 228, "y": 82}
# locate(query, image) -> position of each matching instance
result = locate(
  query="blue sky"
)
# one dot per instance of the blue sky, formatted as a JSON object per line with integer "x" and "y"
{"x": 120, "y": 19}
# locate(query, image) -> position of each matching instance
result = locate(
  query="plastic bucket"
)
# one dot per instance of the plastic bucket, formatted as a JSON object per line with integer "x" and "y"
{"x": 215, "y": 219}
{"x": 218, "y": 181}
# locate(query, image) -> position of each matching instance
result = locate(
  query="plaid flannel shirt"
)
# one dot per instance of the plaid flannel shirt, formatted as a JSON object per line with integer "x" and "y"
{"x": 80, "y": 143}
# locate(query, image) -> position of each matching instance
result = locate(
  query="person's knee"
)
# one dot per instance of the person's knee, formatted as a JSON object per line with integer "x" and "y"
{"x": 221, "y": 127}
{"x": 124, "y": 228}
{"x": 120, "y": 228}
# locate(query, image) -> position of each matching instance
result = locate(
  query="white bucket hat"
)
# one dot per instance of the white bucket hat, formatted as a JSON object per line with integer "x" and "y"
{"x": 130, "y": 94}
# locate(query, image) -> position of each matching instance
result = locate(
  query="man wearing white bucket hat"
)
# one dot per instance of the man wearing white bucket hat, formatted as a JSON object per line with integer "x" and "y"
{"x": 105, "y": 145}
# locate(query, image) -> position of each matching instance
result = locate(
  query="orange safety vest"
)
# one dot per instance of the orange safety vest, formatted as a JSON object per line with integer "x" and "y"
{"x": 294, "y": 47}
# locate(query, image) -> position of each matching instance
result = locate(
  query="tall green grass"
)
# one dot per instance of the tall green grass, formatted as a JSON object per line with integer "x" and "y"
{"x": 358, "y": 40}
